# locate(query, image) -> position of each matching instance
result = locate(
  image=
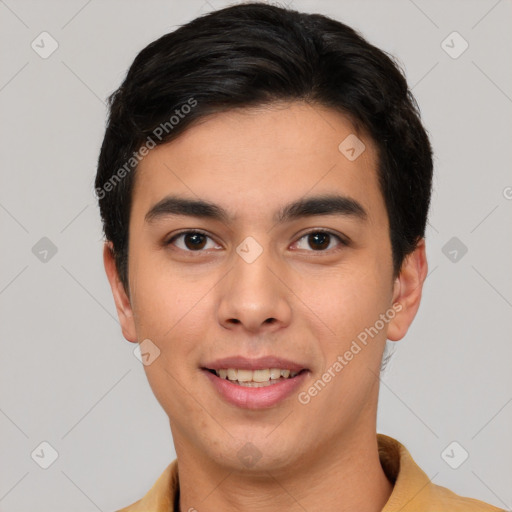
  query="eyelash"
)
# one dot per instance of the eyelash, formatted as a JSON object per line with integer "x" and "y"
{"x": 343, "y": 243}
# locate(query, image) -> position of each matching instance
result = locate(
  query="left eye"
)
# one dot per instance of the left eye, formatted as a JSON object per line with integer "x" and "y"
{"x": 195, "y": 241}
{"x": 320, "y": 240}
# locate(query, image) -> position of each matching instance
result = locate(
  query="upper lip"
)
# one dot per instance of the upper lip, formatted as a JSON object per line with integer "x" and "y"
{"x": 260, "y": 363}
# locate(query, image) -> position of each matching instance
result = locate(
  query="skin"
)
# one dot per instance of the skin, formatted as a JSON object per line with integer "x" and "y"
{"x": 199, "y": 306}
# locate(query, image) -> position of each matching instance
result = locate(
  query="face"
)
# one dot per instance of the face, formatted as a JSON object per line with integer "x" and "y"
{"x": 240, "y": 280}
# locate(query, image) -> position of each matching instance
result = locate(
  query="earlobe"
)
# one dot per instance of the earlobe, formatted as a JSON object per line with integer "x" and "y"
{"x": 407, "y": 291}
{"x": 121, "y": 299}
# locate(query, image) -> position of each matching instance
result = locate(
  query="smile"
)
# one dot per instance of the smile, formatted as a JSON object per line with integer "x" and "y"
{"x": 255, "y": 389}
{"x": 255, "y": 378}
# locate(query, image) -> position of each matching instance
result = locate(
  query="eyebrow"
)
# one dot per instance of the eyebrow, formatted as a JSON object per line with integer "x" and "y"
{"x": 307, "y": 207}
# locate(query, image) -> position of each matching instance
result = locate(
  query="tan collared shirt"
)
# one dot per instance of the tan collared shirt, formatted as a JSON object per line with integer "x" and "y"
{"x": 412, "y": 491}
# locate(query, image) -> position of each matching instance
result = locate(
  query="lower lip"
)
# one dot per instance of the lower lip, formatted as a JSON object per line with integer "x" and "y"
{"x": 255, "y": 398}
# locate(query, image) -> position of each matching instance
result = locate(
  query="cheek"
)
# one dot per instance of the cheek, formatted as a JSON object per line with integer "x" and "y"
{"x": 173, "y": 390}
{"x": 172, "y": 320}
{"x": 161, "y": 297}
{"x": 350, "y": 300}
{"x": 171, "y": 306}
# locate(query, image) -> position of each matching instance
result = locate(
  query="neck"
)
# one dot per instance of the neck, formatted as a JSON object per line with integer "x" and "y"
{"x": 340, "y": 477}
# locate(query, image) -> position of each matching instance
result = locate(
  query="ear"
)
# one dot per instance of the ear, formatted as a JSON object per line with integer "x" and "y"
{"x": 407, "y": 291}
{"x": 123, "y": 306}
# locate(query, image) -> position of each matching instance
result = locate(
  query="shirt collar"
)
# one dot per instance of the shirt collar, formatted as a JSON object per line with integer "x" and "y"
{"x": 412, "y": 489}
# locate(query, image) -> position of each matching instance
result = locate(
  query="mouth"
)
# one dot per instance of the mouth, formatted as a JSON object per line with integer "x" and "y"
{"x": 255, "y": 383}
{"x": 255, "y": 378}
{"x": 259, "y": 389}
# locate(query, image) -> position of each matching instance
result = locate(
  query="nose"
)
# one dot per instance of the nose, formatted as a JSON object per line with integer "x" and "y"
{"x": 254, "y": 298}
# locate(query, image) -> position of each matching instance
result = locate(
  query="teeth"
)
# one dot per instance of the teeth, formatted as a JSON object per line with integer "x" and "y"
{"x": 260, "y": 375}
{"x": 243, "y": 375}
{"x": 247, "y": 377}
{"x": 275, "y": 373}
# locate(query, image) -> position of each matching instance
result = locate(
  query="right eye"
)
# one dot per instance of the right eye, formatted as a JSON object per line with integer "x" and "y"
{"x": 191, "y": 241}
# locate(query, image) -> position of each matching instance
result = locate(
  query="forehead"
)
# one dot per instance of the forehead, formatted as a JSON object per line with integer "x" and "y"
{"x": 254, "y": 158}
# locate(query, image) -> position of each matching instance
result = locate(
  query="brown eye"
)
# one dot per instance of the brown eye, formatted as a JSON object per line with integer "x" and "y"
{"x": 194, "y": 241}
{"x": 191, "y": 241}
{"x": 320, "y": 241}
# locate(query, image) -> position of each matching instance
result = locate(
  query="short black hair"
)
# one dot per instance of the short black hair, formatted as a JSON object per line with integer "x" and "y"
{"x": 257, "y": 54}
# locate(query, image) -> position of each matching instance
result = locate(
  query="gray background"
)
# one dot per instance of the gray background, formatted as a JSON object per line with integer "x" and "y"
{"x": 67, "y": 375}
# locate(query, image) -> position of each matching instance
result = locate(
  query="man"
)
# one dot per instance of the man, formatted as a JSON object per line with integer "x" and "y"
{"x": 264, "y": 184}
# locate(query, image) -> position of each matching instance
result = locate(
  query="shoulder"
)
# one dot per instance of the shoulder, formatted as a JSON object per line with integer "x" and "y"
{"x": 160, "y": 498}
{"x": 414, "y": 491}
{"x": 451, "y": 502}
